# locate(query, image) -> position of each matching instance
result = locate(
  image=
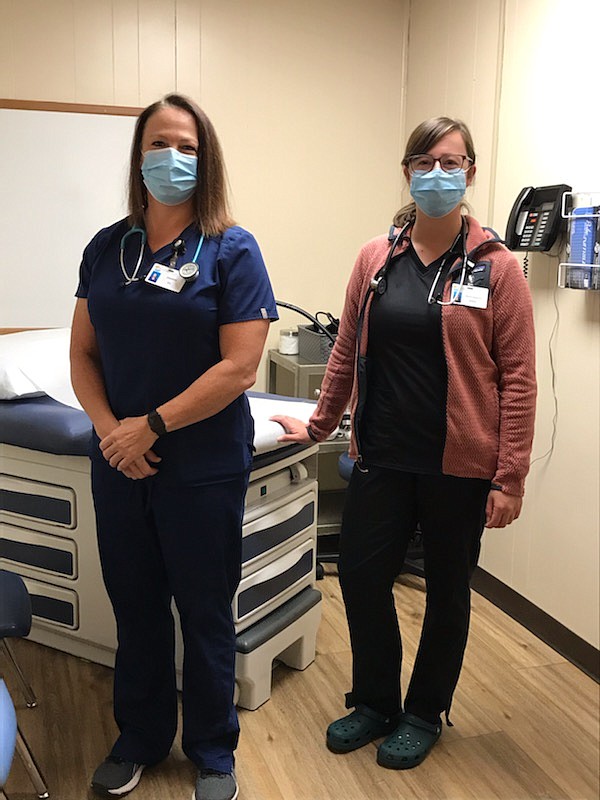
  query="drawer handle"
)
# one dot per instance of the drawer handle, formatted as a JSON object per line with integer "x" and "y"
{"x": 281, "y": 565}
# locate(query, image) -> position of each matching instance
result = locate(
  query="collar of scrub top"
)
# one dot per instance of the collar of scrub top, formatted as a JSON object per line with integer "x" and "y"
{"x": 143, "y": 239}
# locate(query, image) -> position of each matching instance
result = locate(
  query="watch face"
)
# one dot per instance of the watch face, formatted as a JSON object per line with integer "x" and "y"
{"x": 189, "y": 271}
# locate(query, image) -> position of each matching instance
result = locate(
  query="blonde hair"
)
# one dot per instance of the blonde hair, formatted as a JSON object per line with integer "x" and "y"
{"x": 421, "y": 140}
{"x": 211, "y": 206}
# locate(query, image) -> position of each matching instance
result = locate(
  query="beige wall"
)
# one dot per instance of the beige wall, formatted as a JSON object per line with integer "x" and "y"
{"x": 312, "y": 104}
{"x": 508, "y": 68}
{"x": 453, "y": 69}
{"x": 548, "y": 137}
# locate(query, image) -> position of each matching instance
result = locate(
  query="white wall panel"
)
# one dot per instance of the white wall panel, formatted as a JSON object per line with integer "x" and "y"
{"x": 58, "y": 198}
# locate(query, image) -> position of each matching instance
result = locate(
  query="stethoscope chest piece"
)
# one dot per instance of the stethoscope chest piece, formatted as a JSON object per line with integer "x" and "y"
{"x": 189, "y": 271}
{"x": 379, "y": 285}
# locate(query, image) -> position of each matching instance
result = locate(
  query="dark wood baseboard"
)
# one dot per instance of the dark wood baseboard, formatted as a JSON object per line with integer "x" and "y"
{"x": 553, "y": 633}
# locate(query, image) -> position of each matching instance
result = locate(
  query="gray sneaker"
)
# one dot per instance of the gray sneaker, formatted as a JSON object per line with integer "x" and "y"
{"x": 116, "y": 777}
{"x": 213, "y": 785}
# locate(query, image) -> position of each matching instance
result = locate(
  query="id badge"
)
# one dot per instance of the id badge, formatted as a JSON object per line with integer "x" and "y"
{"x": 165, "y": 277}
{"x": 471, "y": 296}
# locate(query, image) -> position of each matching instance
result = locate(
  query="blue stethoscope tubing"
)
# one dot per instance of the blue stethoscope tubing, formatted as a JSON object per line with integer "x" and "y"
{"x": 135, "y": 229}
{"x": 143, "y": 238}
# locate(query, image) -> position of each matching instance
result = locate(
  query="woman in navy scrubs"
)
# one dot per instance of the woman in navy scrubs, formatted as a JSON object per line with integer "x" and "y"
{"x": 173, "y": 308}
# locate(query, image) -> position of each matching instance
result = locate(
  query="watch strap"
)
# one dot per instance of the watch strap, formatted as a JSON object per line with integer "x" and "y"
{"x": 156, "y": 423}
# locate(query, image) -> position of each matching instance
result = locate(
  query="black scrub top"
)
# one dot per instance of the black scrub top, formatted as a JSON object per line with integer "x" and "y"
{"x": 154, "y": 343}
{"x": 404, "y": 421}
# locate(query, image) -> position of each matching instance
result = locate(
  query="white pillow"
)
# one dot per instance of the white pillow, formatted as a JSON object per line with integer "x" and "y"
{"x": 35, "y": 363}
{"x": 13, "y": 384}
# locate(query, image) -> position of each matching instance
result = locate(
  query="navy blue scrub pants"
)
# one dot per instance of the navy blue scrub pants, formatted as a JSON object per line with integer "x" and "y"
{"x": 382, "y": 509}
{"x": 157, "y": 542}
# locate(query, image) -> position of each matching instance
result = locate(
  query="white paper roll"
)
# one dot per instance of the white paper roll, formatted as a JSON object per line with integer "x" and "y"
{"x": 288, "y": 342}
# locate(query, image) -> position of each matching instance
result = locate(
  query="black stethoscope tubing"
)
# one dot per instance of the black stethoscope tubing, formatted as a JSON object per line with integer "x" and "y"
{"x": 378, "y": 284}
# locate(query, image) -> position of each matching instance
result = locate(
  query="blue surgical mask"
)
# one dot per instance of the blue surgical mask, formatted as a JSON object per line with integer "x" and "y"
{"x": 170, "y": 176}
{"x": 436, "y": 192}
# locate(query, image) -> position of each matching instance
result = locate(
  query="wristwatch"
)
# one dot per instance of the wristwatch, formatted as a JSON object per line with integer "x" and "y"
{"x": 156, "y": 423}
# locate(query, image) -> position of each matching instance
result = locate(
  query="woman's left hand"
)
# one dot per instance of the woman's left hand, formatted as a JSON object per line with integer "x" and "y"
{"x": 295, "y": 429}
{"x": 501, "y": 509}
{"x": 127, "y": 442}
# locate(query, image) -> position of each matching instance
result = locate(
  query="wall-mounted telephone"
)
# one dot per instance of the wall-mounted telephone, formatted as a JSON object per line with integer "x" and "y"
{"x": 536, "y": 220}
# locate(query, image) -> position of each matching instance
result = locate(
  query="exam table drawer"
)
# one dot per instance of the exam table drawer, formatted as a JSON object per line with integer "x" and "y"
{"x": 29, "y": 500}
{"x": 267, "y": 588}
{"x": 44, "y": 552}
{"x": 282, "y": 522}
{"x": 53, "y": 605}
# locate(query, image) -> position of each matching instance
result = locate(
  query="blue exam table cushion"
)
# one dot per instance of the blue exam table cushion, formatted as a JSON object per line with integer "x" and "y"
{"x": 41, "y": 423}
{"x": 44, "y": 424}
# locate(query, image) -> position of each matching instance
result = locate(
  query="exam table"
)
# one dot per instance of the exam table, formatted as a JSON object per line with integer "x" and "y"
{"x": 48, "y": 537}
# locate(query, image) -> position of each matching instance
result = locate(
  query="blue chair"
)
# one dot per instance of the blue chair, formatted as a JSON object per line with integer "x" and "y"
{"x": 8, "y": 727}
{"x": 413, "y": 562}
{"x": 15, "y": 621}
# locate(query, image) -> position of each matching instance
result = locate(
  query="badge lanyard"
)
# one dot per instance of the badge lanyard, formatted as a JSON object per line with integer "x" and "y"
{"x": 167, "y": 277}
{"x": 188, "y": 271}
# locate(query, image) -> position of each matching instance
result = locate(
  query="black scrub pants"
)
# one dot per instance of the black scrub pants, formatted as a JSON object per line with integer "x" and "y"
{"x": 157, "y": 542}
{"x": 382, "y": 509}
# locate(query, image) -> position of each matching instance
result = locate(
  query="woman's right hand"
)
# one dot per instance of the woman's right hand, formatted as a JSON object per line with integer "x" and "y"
{"x": 295, "y": 429}
{"x": 142, "y": 467}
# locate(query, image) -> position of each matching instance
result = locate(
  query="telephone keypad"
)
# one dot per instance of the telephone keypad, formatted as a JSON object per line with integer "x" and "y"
{"x": 528, "y": 229}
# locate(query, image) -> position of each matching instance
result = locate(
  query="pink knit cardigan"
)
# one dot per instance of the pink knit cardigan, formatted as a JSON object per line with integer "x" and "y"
{"x": 490, "y": 358}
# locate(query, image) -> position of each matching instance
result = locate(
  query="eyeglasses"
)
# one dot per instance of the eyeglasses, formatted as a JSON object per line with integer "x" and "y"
{"x": 449, "y": 162}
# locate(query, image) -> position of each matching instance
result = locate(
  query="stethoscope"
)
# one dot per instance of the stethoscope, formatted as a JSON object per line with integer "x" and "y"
{"x": 188, "y": 271}
{"x": 378, "y": 284}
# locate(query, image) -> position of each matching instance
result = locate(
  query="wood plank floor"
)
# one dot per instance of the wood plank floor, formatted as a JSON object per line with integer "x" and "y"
{"x": 526, "y": 723}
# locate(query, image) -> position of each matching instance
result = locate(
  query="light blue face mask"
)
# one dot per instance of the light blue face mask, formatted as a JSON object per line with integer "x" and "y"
{"x": 436, "y": 192}
{"x": 170, "y": 176}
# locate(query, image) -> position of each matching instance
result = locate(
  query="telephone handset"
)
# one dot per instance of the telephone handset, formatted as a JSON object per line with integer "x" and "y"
{"x": 536, "y": 220}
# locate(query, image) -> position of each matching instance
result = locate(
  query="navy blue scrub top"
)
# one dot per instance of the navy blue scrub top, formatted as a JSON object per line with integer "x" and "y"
{"x": 154, "y": 343}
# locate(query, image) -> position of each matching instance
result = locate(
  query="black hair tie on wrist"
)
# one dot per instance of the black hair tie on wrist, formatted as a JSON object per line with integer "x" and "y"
{"x": 309, "y": 430}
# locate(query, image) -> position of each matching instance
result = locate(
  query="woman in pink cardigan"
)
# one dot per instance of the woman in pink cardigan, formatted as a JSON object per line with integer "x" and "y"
{"x": 435, "y": 354}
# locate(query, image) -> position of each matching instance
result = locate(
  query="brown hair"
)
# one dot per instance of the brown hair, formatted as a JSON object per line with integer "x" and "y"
{"x": 421, "y": 140}
{"x": 212, "y": 213}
